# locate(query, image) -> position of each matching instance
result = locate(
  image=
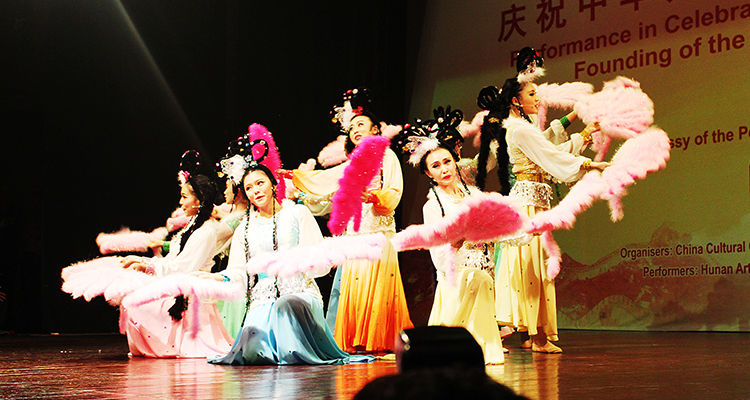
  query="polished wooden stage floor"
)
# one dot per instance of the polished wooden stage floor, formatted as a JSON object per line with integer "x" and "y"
{"x": 595, "y": 365}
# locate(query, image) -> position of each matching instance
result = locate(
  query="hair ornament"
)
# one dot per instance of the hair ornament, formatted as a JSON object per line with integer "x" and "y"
{"x": 529, "y": 65}
{"x": 243, "y": 157}
{"x": 489, "y": 99}
{"x": 355, "y": 102}
{"x": 425, "y": 136}
{"x": 189, "y": 165}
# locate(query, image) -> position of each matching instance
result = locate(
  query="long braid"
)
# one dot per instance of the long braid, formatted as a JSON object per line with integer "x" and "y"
{"x": 204, "y": 189}
{"x": 273, "y": 215}
{"x": 434, "y": 191}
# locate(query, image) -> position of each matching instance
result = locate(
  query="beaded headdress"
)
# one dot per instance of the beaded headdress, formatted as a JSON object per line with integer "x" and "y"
{"x": 529, "y": 65}
{"x": 242, "y": 155}
{"x": 422, "y": 137}
{"x": 355, "y": 102}
{"x": 190, "y": 164}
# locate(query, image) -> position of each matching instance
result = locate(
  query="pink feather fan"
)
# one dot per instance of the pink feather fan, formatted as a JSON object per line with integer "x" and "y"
{"x": 127, "y": 240}
{"x": 320, "y": 257}
{"x": 102, "y": 277}
{"x": 562, "y": 96}
{"x": 389, "y": 131}
{"x": 334, "y": 153}
{"x": 177, "y": 220}
{"x": 272, "y": 160}
{"x": 581, "y": 197}
{"x": 366, "y": 161}
{"x": 637, "y": 157}
{"x": 622, "y": 109}
{"x": 553, "y": 251}
{"x": 196, "y": 289}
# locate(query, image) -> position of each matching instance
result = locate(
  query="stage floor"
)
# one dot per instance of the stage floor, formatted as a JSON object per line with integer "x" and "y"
{"x": 595, "y": 365}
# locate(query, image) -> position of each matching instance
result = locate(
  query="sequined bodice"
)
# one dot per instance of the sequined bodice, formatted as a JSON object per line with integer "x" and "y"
{"x": 259, "y": 233}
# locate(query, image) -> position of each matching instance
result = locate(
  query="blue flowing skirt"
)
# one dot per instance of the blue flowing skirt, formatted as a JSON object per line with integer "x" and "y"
{"x": 291, "y": 330}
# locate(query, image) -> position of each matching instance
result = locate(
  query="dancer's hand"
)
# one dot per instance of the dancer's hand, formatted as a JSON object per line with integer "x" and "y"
{"x": 600, "y": 165}
{"x": 285, "y": 173}
{"x": 593, "y": 127}
{"x": 130, "y": 260}
{"x": 207, "y": 275}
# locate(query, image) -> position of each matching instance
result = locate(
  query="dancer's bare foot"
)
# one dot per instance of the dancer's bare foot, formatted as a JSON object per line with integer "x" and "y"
{"x": 540, "y": 344}
{"x": 525, "y": 340}
{"x": 547, "y": 348}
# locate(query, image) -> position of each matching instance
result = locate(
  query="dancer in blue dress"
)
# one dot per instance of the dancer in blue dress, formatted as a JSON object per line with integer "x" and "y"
{"x": 284, "y": 323}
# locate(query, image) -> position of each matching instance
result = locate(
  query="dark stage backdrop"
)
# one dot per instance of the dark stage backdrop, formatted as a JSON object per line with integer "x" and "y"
{"x": 98, "y": 100}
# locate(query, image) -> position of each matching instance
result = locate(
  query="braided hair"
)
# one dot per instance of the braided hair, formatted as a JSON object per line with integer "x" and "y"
{"x": 423, "y": 169}
{"x": 492, "y": 129}
{"x": 498, "y": 102}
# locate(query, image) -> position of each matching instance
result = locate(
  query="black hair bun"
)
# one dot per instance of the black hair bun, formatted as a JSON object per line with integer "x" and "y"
{"x": 526, "y": 56}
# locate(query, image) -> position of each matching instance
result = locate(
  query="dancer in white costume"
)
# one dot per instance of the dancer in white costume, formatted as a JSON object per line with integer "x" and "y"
{"x": 525, "y": 294}
{"x": 162, "y": 328}
{"x": 467, "y": 297}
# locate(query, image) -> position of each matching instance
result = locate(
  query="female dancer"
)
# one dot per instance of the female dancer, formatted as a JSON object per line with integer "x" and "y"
{"x": 161, "y": 328}
{"x": 526, "y": 296}
{"x": 372, "y": 305}
{"x": 468, "y": 299}
{"x": 284, "y": 323}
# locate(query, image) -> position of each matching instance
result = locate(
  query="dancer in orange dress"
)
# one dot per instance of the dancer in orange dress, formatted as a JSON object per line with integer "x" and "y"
{"x": 372, "y": 305}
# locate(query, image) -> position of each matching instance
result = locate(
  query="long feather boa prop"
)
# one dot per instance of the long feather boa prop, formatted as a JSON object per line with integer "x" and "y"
{"x": 102, "y": 277}
{"x": 483, "y": 217}
{"x": 480, "y": 218}
{"x": 366, "y": 161}
{"x": 319, "y": 257}
{"x": 272, "y": 160}
{"x": 637, "y": 157}
{"x": 554, "y": 258}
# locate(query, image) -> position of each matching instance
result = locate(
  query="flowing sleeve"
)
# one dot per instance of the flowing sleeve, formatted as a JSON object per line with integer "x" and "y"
{"x": 236, "y": 266}
{"x": 309, "y": 234}
{"x": 556, "y": 132}
{"x": 319, "y": 182}
{"x": 196, "y": 255}
{"x": 439, "y": 255}
{"x": 555, "y": 160}
{"x": 387, "y": 198}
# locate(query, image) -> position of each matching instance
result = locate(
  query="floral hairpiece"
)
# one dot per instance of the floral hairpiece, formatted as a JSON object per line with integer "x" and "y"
{"x": 189, "y": 164}
{"x": 530, "y": 73}
{"x": 183, "y": 177}
{"x": 425, "y": 136}
{"x": 529, "y": 65}
{"x": 234, "y": 167}
{"x": 354, "y": 102}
